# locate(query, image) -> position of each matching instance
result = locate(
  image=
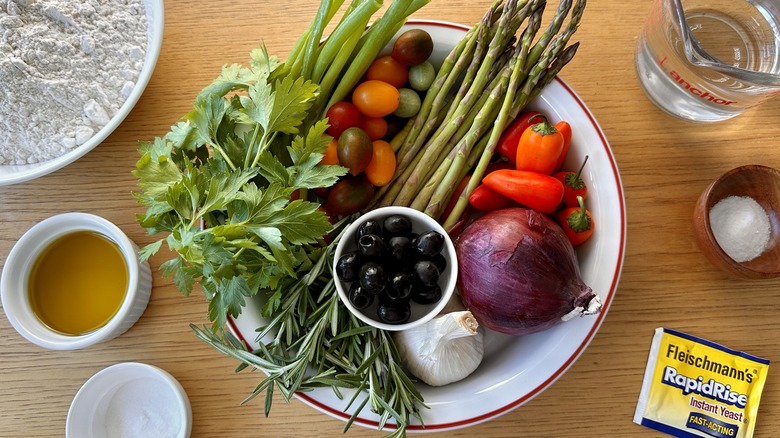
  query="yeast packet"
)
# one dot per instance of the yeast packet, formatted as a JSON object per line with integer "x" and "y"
{"x": 696, "y": 388}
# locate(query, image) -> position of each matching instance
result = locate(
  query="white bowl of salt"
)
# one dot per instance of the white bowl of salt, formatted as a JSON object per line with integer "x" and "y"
{"x": 130, "y": 400}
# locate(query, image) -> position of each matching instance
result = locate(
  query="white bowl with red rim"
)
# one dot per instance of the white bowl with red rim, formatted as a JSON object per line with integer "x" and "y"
{"x": 514, "y": 369}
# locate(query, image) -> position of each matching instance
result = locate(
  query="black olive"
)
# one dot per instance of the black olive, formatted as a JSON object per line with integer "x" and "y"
{"x": 400, "y": 286}
{"x": 426, "y": 294}
{"x": 370, "y": 226}
{"x": 394, "y": 313}
{"x": 426, "y": 273}
{"x": 348, "y": 266}
{"x": 439, "y": 260}
{"x": 359, "y": 299}
{"x": 371, "y": 246}
{"x": 372, "y": 278}
{"x": 400, "y": 249}
{"x": 429, "y": 243}
{"x": 397, "y": 225}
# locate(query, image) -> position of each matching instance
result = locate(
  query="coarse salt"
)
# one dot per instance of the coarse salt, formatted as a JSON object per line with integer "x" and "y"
{"x": 741, "y": 227}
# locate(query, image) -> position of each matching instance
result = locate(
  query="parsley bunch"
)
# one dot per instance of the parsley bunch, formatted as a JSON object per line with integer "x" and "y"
{"x": 221, "y": 183}
{"x": 228, "y": 186}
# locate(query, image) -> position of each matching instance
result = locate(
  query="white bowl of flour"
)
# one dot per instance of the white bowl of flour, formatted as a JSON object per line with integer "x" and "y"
{"x": 70, "y": 72}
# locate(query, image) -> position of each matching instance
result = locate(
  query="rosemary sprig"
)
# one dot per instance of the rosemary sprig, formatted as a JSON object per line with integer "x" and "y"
{"x": 316, "y": 342}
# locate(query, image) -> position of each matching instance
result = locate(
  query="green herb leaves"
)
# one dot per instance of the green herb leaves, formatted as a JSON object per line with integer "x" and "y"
{"x": 224, "y": 181}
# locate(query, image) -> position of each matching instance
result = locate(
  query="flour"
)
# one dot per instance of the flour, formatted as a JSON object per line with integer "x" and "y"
{"x": 66, "y": 66}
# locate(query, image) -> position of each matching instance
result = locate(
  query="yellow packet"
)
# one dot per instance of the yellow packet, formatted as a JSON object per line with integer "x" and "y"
{"x": 696, "y": 388}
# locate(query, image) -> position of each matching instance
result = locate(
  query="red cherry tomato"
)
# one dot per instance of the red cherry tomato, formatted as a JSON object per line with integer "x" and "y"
{"x": 342, "y": 116}
{"x": 376, "y": 98}
{"x": 387, "y": 69}
{"x": 375, "y": 127}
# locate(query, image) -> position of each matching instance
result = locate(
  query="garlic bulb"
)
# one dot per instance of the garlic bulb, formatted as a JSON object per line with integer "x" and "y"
{"x": 444, "y": 350}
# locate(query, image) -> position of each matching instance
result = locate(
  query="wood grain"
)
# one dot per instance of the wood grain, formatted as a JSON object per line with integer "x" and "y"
{"x": 665, "y": 163}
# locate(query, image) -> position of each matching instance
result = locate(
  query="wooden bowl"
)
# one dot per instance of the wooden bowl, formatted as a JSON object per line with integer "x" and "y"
{"x": 763, "y": 185}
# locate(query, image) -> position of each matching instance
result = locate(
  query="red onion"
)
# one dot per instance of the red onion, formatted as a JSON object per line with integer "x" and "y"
{"x": 518, "y": 273}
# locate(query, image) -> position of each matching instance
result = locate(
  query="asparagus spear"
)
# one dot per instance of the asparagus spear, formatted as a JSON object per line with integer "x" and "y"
{"x": 541, "y": 73}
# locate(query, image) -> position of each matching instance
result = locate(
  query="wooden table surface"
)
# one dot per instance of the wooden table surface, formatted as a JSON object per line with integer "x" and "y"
{"x": 664, "y": 164}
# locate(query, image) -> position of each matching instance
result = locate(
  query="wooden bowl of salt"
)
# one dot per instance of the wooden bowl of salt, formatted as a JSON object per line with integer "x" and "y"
{"x": 736, "y": 222}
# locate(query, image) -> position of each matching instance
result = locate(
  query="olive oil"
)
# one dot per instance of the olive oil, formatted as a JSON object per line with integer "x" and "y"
{"x": 78, "y": 283}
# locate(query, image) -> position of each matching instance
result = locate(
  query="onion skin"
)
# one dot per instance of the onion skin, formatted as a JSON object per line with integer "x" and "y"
{"x": 518, "y": 273}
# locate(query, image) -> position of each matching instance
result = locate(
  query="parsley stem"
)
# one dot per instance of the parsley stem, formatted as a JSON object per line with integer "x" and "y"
{"x": 251, "y": 145}
{"x": 219, "y": 149}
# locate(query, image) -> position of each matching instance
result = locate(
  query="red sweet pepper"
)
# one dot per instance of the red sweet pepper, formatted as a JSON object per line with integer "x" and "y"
{"x": 577, "y": 223}
{"x": 496, "y": 165}
{"x": 565, "y": 129}
{"x": 507, "y": 144}
{"x": 573, "y": 185}
{"x": 539, "y": 148}
{"x": 535, "y": 190}
{"x": 483, "y": 198}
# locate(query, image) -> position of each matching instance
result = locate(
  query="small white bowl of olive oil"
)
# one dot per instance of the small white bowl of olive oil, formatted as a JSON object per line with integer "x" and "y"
{"x": 73, "y": 280}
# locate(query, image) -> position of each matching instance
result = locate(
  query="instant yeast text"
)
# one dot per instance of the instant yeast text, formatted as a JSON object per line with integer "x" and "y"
{"x": 696, "y": 388}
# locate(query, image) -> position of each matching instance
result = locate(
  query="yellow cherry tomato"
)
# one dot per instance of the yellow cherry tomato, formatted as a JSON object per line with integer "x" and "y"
{"x": 382, "y": 166}
{"x": 331, "y": 153}
{"x": 376, "y": 98}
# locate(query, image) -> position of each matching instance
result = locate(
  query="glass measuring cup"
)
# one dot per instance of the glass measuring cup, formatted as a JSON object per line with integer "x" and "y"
{"x": 710, "y": 60}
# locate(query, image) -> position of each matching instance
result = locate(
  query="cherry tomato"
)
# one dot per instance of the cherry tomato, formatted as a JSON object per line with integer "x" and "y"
{"x": 577, "y": 222}
{"x": 413, "y": 47}
{"x": 350, "y": 195}
{"x": 375, "y": 127}
{"x": 376, "y": 98}
{"x": 342, "y": 116}
{"x": 354, "y": 150}
{"x": 331, "y": 153}
{"x": 382, "y": 166}
{"x": 387, "y": 69}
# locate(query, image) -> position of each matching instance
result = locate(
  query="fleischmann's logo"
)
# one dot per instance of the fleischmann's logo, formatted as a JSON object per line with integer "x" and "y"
{"x": 705, "y": 363}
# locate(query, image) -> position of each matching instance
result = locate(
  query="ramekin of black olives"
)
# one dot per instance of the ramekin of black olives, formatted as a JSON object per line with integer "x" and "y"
{"x": 395, "y": 268}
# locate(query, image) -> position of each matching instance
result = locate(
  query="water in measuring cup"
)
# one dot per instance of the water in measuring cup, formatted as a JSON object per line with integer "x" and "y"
{"x": 701, "y": 94}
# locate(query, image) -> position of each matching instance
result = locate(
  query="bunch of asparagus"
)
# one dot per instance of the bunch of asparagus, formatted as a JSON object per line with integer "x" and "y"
{"x": 497, "y": 73}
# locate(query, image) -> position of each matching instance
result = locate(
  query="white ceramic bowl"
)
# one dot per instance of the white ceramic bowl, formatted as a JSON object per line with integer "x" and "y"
{"x": 130, "y": 397}
{"x": 21, "y": 258}
{"x": 514, "y": 370}
{"x": 421, "y": 314}
{"x": 12, "y": 174}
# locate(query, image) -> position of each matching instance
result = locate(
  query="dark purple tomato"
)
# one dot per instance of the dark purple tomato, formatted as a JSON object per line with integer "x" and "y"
{"x": 412, "y": 47}
{"x": 350, "y": 195}
{"x": 355, "y": 150}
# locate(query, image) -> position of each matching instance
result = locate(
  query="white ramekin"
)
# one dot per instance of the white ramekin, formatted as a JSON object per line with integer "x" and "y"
{"x": 421, "y": 314}
{"x": 16, "y": 272}
{"x": 99, "y": 398}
